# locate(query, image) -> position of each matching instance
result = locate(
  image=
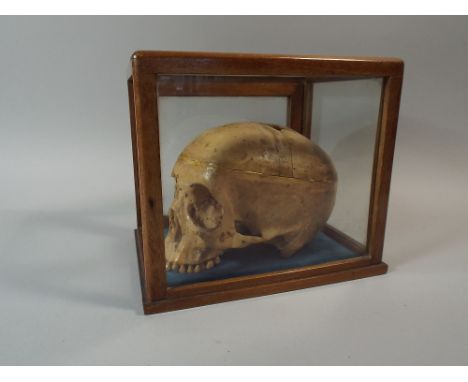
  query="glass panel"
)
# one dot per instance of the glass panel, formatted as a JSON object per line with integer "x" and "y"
{"x": 254, "y": 198}
{"x": 345, "y": 118}
{"x": 181, "y": 119}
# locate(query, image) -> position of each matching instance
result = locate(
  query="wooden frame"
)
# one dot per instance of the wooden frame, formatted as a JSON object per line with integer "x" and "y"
{"x": 212, "y": 74}
{"x": 228, "y": 86}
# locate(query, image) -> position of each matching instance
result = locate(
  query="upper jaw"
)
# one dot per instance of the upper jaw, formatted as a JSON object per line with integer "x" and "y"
{"x": 192, "y": 268}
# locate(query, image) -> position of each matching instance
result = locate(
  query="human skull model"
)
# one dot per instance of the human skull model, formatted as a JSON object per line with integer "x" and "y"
{"x": 242, "y": 184}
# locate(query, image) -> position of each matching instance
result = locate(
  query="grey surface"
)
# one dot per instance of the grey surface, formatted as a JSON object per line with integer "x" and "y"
{"x": 68, "y": 278}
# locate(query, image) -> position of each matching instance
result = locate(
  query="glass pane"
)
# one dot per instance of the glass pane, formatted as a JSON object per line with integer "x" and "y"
{"x": 252, "y": 198}
{"x": 181, "y": 119}
{"x": 345, "y": 118}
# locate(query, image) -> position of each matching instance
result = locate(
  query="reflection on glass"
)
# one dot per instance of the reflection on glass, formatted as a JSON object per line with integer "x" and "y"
{"x": 183, "y": 118}
{"x": 344, "y": 123}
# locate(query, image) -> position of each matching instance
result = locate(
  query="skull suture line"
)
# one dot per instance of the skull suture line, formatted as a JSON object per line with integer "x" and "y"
{"x": 242, "y": 184}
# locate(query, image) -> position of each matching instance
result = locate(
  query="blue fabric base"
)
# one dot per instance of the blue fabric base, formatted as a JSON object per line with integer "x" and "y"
{"x": 262, "y": 259}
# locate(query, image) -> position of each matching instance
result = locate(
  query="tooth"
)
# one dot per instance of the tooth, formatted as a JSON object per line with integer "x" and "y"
{"x": 168, "y": 266}
{"x": 197, "y": 268}
{"x": 209, "y": 264}
{"x": 217, "y": 260}
{"x": 182, "y": 268}
{"x": 174, "y": 266}
{"x": 189, "y": 269}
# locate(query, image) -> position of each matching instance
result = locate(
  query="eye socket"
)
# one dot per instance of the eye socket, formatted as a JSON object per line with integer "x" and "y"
{"x": 204, "y": 211}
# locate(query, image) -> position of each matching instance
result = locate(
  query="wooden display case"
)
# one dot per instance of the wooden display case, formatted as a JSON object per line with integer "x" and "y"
{"x": 191, "y": 74}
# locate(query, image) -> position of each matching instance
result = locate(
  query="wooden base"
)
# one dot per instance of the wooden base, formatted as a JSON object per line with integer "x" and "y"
{"x": 262, "y": 289}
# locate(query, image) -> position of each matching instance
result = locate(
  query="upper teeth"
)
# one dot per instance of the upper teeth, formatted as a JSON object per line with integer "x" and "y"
{"x": 189, "y": 268}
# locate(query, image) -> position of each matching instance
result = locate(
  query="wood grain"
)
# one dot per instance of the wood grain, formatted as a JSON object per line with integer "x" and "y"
{"x": 149, "y": 178}
{"x": 382, "y": 169}
{"x": 307, "y": 107}
{"x": 224, "y": 86}
{"x": 247, "y": 86}
{"x": 131, "y": 104}
{"x": 295, "y": 111}
{"x": 263, "y": 289}
{"x": 169, "y": 62}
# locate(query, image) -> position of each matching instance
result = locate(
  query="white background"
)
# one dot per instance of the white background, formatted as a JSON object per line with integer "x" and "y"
{"x": 69, "y": 288}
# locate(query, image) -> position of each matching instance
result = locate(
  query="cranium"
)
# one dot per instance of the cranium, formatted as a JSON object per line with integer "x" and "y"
{"x": 242, "y": 184}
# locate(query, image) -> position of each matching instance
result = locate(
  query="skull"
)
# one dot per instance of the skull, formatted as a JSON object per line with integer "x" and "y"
{"x": 242, "y": 184}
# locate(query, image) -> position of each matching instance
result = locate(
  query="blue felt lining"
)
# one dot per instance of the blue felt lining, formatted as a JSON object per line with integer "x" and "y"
{"x": 262, "y": 259}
